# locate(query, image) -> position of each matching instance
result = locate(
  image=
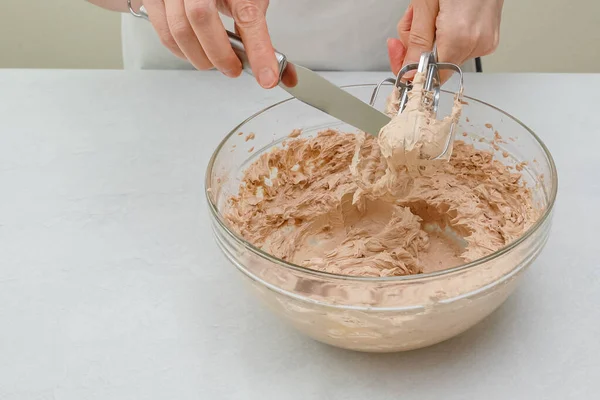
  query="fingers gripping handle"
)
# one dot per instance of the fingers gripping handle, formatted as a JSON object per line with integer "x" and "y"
{"x": 240, "y": 51}
{"x": 235, "y": 40}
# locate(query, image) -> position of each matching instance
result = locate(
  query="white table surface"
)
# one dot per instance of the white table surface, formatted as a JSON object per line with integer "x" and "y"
{"x": 111, "y": 286}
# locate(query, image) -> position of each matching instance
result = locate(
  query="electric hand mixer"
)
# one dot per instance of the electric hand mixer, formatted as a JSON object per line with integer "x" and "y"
{"x": 428, "y": 65}
{"x": 321, "y": 94}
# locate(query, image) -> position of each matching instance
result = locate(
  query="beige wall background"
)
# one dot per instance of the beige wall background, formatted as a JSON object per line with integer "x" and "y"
{"x": 537, "y": 36}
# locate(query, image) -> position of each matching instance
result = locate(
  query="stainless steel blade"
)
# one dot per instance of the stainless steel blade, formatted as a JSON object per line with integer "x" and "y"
{"x": 312, "y": 89}
{"x": 318, "y": 92}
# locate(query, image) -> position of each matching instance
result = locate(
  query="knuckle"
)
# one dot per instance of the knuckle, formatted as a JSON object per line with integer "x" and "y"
{"x": 466, "y": 32}
{"x": 403, "y": 26}
{"x": 492, "y": 41}
{"x": 483, "y": 41}
{"x": 260, "y": 49}
{"x": 400, "y": 27}
{"x": 246, "y": 13}
{"x": 180, "y": 28}
{"x": 473, "y": 40}
{"x": 418, "y": 39}
{"x": 200, "y": 11}
{"x": 464, "y": 37}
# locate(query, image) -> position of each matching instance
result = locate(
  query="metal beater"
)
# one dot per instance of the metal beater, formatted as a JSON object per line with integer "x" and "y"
{"x": 427, "y": 64}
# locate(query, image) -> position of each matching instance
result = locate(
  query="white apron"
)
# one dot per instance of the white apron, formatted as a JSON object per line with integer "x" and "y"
{"x": 324, "y": 35}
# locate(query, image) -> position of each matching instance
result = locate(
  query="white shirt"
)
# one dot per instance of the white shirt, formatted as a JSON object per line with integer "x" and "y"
{"x": 324, "y": 35}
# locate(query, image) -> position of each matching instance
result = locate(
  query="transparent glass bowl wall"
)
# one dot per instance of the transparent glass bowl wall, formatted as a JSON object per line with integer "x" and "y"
{"x": 380, "y": 314}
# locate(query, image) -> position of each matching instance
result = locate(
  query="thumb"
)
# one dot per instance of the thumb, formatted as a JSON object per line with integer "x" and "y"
{"x": 396, "y": 53}
{"x": 224, "y": 6}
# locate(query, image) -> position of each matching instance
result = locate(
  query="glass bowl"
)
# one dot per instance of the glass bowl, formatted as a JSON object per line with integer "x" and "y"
{"x": 392, "y": 313}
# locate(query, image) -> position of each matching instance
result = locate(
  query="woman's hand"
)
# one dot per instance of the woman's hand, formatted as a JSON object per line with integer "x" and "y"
{"x": 462, "y": 29}
{"x": 193, "y": 30}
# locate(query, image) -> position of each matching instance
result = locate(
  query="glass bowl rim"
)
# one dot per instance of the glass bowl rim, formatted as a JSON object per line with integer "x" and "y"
{"x": 387, "y": 279}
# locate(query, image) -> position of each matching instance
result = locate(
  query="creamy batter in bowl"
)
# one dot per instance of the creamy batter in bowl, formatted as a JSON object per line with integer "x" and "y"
{"x": 382, "y": 314}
